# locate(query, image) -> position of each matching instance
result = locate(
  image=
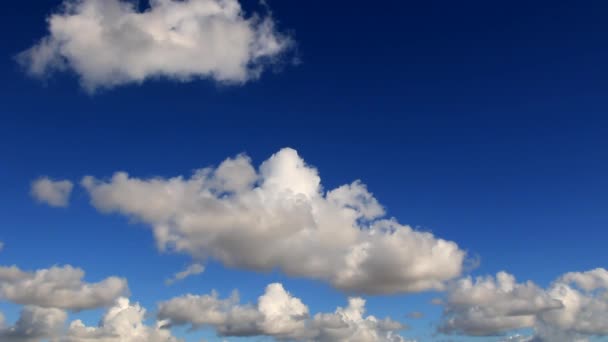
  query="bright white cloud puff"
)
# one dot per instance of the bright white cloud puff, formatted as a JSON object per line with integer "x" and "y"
{"x": 110, "y": 42}
{"x": 279, "y": 217}
{"x": 123, "y": 322}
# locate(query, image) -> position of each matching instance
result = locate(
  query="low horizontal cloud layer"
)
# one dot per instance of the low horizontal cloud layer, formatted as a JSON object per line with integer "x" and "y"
{"x": 58, "y": 287}
{"x": 123, "y": 322}
{"x": 279, "y": 216}
{"x": 280, "y": 315}
{"x": 51, "y": 192}
{"x": 573, "y": 308}
{"x": 110, "y": 42}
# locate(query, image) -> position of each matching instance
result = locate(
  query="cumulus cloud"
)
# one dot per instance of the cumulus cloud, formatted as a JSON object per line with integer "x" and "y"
{"x": 34, "y": 325}
{"x": 123, "y": 322}
{"x": 53, "y": 193}
{"x": 58, "y": 287}
{"x": 585, "y": 312}
{"x": 573, "y": 308}
{"x": 191, "y": 270}
{"x": 279, "y": 216}
{"x": 280, "y": 315}
{"x": 488, "y": 305}
{"x": 110, "y": 42}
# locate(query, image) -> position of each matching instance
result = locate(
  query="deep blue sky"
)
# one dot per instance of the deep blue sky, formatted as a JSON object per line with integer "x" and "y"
{"x": 482, "y": 121}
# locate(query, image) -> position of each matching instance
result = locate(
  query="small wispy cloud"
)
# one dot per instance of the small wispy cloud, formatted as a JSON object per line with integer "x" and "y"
{"x": 191, "y": 270}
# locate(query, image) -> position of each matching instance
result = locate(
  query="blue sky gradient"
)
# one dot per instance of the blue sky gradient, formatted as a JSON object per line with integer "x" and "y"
{"x": 482, "y": 122}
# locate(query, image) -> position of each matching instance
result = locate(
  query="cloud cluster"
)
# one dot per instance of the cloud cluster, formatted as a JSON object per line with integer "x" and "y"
{"x": 46, "y": 295}
{"x": 124, "y": 322}
{"x": 488, "y": 305}
{"x": 191, "y": 270}
{"x": 110, "y": 42}
{"x": 573, "y": 308}
{"x": 280, "y": 315}
{"x": 53, "y": 193}
{"x": 34, "y": 324}
{"x": 280, "y": 217}
{"x": 58, "y": 287}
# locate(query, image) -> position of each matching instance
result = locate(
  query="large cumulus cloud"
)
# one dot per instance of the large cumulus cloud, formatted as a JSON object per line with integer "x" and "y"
{"x": 279, "y": 216}
{"x": 280, "y": 315}
{"x": 110, "y": 42}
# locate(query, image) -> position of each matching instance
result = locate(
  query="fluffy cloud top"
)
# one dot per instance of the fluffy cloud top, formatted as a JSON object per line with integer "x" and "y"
{"x": 585, "y": 313}
{"x": 110, "y": 42}
{"x": 122, "y": 323}
{"x": 280, "y": 315}
{"x": 280, "y": 217}
{"x": 191, "y": 270}
{"x": 53, "y": 193}
{"x": 58, "y": 287}
{"x": 573, "y": 308}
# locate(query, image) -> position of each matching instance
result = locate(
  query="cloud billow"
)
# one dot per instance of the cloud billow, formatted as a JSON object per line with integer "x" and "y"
{"x": 573, "y": 308}
{"x": 108, "y": 43}
{"x": 280, "y": 315}
{"x": 279, "y": 217}
{"x": 58, "y": 287}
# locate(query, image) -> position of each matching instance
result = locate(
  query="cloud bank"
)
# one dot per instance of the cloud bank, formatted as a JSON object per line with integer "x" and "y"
{"x": 280, "y": 315}
{"x": 53, "y": 193}
{"x": 279, "y": 216}
{"x": 58, "y": 287}
{"x": 109, "y": 42}
{"x": 573, "y": 308}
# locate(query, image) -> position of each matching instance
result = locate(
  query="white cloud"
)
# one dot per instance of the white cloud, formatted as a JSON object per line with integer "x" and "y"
{"x": 585, "y": 312}
{"x": 191, "y": 270}
{"x": 53, "y": 193}
{"x": 58, "y": 287}
{"x": 34, "y": 325}
{"x": 280, "y": 315}
{"x": 124, "y": 322}
{"x": 109, "y": 42}
{"x": 588, "y": 281}
{"x": 280, "y": 217}
{"x": 488, "y": 305}
{"x": 573, "y": 308}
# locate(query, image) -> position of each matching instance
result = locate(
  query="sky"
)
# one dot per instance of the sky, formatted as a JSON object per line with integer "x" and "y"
{"x": 313, "y": 171}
